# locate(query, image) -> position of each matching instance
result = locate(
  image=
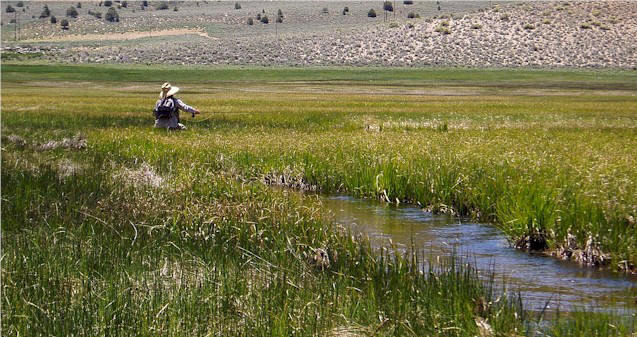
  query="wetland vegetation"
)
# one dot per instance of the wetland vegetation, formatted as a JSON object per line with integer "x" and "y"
{"x": 110, "y": 226}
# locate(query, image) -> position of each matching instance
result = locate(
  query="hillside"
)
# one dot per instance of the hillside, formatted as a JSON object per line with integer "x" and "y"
{"x": 475, "y": 34}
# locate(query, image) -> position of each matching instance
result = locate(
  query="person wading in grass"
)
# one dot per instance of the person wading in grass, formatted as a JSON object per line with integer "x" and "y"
{"x": 167, "y": 109}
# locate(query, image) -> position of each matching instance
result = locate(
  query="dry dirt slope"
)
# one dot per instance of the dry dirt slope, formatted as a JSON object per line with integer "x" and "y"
{"x": 598, "y": 34}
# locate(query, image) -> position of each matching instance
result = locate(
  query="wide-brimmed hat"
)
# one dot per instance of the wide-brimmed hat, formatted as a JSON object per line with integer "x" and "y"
{"x": 167, "y": 90}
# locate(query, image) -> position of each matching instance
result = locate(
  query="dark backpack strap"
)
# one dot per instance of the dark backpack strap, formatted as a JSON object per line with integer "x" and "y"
{"x": 175, "y": 107}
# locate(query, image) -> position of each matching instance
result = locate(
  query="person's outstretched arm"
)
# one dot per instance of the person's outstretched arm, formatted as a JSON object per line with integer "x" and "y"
{"x": 185, "y": 107}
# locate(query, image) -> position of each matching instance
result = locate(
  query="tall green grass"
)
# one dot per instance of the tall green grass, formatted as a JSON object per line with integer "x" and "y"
{"x": 149, "y": 232}
{"x": 91, "y": 254}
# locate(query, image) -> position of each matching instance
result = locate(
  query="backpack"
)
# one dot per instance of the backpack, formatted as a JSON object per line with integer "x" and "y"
{"x": 166, "y": 108}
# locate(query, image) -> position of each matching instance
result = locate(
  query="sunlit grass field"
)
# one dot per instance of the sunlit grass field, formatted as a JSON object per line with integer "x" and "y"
{"x": 147, "y": 232}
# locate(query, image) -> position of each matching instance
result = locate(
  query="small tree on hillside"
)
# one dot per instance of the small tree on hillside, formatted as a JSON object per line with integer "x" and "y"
{"x": 237, "y": 5}
{"x": 10, "y": 9}
{"x": 250, "y": 22}
{"x": 79, "y": 5}
{"x": 54, "y": 19}
{"x": 20, "y": 4}
{"x": 111, "y": 15}
{"x": 125, "y": 4}
{"x": 108, "y": 3}
{"x": 71, "y": 12}
{"x": 65, "y": 24}
{"x": 45, "y": 12}
{"x": 388, "y": 6}
{"x": 265, "y": 20}
{"x": 371, "y": 13}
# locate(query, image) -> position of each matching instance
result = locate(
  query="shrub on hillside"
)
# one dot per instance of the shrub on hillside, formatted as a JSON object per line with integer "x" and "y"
{"x": 529, "y": 26}
{"x": 54, "y": 19}
{"x": 585, "y": 25}
{"x": 162, "y": 5}
{"x": 408, "y": 2}
{"x": 413, "y": 15}
{"x": 79, "y": 5}
{"x": 71, "y": 12}
{"x": 476, "y": 26}
{"x": 45, "y": 12}
{"x": 10, "y": 9}
{"x": 175, "y": 9}
{"x": 325, "y": 10}
{"x": 443, "y": 30}
{"x": 144, "y": 3}
{"x": 346, "y": 9}
{"x": 112, "y": 15}
{"x": 388, "y": 6}
{"x": 125, "y": 4}
{"x": 371, "y": 13}
{"x": 265, "y": 20}
{"x": 250, "y": 22}
{"x": 65, "y": 24}
{"x": 108, "y": 3}
{"x": 237, "y": 5}
{"x": 20, "y": 4}
{"x": 258, "y": 16}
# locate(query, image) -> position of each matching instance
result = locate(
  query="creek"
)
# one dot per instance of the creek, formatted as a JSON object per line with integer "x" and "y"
{"x": 538, "y": 278}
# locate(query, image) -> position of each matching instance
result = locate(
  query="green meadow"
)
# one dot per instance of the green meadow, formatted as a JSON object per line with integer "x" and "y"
{"x": 146, "y": 232}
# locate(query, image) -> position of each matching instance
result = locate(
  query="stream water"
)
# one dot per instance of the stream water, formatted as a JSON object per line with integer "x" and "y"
{"x": 538, "y": 278}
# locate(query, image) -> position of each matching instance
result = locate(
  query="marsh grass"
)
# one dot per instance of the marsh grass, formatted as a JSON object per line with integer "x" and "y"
{"x": 203, "y": 246}
{"x": 88, "y": 254}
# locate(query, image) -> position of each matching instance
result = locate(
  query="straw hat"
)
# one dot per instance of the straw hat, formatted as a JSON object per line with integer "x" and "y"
{"x": 167, "y": 90}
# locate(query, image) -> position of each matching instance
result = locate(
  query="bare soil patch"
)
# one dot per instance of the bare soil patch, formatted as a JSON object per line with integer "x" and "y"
{"x": 121, "y": 36}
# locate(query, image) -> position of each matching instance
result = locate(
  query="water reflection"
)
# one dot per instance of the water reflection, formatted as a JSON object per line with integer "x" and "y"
{"x": 537, "y": 277}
